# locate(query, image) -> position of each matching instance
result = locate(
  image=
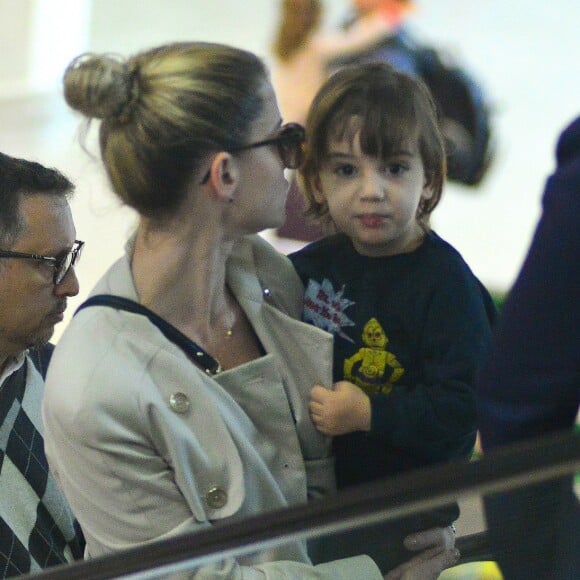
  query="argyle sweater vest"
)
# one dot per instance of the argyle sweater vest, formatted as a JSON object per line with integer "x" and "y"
{"x": 37, "y": 529}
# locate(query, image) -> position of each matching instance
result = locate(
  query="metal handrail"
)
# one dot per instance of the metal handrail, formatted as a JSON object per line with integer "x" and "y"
{"x": 503, "y": 469}
{"x": 474, "y": 548}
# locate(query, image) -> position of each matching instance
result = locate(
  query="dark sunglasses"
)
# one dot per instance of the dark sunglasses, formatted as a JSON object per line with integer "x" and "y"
{"x": 61, "y": 265}
{"x": 289, "y": 141}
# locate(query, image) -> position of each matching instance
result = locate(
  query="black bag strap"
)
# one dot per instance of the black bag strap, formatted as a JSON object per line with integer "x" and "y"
{"x": 199, "y": 356}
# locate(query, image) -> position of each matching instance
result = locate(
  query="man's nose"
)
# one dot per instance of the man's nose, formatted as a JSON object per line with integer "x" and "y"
{"x": 69, "y": 285}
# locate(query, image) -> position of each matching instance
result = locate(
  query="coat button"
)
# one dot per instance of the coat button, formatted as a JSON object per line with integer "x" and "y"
{"x": 216, "y": 498}
{"x": 266, "y": 292}
{"x": 179, "y": 403}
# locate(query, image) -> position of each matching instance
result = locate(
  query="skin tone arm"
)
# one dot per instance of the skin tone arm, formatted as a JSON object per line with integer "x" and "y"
{"x": 342, "y": 410}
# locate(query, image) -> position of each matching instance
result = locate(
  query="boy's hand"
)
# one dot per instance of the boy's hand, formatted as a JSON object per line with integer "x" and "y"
{"x": 343, "y": 410}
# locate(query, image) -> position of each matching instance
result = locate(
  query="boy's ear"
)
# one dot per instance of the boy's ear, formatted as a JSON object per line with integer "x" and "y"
{"x": 427, "y": 192}
{"x": 224, "y": 175}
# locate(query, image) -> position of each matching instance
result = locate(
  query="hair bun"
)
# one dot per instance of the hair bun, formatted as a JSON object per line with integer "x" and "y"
{"x": 101, "y": 86}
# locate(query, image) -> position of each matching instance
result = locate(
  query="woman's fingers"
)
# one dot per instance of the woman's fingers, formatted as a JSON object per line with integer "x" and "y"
{"x": 442, "y": 538}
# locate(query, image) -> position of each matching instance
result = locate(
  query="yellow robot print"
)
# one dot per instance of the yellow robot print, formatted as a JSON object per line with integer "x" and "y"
{"x": 373, "y": 368}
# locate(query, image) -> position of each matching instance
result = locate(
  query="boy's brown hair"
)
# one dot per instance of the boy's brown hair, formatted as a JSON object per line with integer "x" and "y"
{"x": 392, "y": 107}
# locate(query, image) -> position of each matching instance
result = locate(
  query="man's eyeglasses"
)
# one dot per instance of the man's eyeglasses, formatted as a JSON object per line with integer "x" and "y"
{"x": 289, "y": 141}
{"x": 61, "y": 265}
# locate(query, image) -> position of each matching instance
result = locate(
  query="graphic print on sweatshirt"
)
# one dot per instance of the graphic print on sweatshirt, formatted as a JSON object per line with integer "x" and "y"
{"x": 325, "y": 308}
{"x": 372, "y": 368}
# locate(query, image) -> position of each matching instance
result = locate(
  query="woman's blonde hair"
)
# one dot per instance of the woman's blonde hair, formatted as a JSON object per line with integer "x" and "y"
{"x": 162, "y": 111}
{"x": 299, "y": 18}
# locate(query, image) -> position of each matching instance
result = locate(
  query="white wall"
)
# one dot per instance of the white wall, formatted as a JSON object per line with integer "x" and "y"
{"x": 126, "y": 26}
{"x": 526, "y": 53}
{"x": 37, "y": 38}
{"x": 14, "y": 38}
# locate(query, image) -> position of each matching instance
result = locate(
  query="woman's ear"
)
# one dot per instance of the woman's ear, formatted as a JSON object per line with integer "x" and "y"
{"x": 224, "y": 176}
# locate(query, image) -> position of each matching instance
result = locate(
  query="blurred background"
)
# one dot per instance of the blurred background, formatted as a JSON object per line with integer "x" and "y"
{"x": 525, "y": 54}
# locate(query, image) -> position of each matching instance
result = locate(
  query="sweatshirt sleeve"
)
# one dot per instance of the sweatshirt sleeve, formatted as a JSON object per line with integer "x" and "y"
{"x": 437, "y": 416}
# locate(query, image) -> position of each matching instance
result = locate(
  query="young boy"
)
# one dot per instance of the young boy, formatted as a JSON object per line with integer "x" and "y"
{"x": 411, "y": 322}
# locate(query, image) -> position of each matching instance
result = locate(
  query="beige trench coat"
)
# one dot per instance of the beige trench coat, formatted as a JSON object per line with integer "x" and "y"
{"x": 145, "y": 445}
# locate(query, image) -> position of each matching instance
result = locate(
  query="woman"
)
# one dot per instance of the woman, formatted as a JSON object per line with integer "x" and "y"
{"x": 153, "y": 436}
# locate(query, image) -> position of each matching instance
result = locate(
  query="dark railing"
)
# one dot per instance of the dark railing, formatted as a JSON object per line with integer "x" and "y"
{"x": 501, "y": 470}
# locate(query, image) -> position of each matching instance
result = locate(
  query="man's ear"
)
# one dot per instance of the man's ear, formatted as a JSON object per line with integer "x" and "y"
{"x": 224, "y": 175}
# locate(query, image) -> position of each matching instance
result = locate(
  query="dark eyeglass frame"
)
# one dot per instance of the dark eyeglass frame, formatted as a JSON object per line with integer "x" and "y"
{"x": 289, "y": 141}
{"x": 61, "y": 265}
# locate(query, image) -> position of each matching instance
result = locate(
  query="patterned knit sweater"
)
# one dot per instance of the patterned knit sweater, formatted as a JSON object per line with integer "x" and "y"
{"x": 37, "y": 529}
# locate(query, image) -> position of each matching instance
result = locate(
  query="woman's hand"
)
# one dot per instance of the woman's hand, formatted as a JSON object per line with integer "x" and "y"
{"x": 438, "y": 553}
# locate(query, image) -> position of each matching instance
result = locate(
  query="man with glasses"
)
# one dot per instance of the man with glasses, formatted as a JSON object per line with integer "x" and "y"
{"x": 37, "y": 253}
